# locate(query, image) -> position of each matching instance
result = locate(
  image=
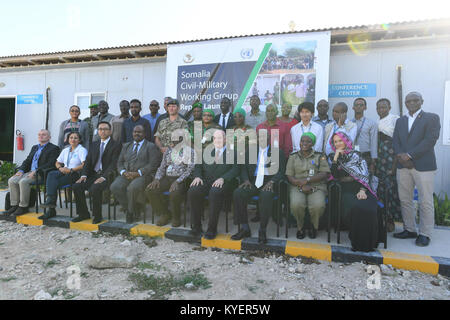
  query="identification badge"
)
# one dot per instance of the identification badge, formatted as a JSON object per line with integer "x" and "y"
{"x": 232, "y": 146}
{"x": 357, "y": 148}
{"x": 275, "y": 143}
{"x": 311, "y": 172}
{"x": 169, "y": 168}
{"x": 204, "y": 140}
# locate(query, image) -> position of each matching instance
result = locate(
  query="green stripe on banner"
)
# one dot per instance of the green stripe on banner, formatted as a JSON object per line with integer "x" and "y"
{"x": 253, "y": 75}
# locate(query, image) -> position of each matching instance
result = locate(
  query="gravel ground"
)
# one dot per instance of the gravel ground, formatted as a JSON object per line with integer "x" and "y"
{"x": 36, "y": 263}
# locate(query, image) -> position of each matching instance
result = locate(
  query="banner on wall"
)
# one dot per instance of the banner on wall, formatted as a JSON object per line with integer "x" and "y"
{"x": 278, "y": 69}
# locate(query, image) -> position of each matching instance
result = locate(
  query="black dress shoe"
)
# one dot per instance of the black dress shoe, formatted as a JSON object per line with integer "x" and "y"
{"x": 405, "y": 234}
{"x": 422, "y": 241}
{"x": 300, "y": 234}
{"x": 262, "y": 238}
{"x": 195, "y": 232}
{"x": 49, "y": 214}
{"x": 241, "y": 235}
{"x": 312, "y": 233}
{"x": 11, "y": 210}
{"x": 20, "y": 211}
{"x": 209, "y": 235}
{"x": 80, "y": 218}
{"x": 97, "y": 220}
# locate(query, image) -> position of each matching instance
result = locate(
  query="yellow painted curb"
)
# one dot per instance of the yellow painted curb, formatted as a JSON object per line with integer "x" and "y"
{"x": 410, "y": 261}
{"x": 85, "y": 225}
{"x": 30, "y": 219}
{"x": 149, "y": 230}
{"x": 223, "y": 241}
{"x": 310, "y": 250}
{"x": 3, "y": 189}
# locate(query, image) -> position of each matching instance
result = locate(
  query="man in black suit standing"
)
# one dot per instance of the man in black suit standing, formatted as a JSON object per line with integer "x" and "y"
{"x": 41, "y": 157}
{"x": 100, "y": 163}
{"x": 415, "y": 135}
{"x": 214, "y": 180}
{"x": 225, "y": 119}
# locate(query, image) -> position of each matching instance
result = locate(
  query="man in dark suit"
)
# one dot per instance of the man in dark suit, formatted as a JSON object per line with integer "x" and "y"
{"x": 41, "y": 157}
{"x": 213, "y": 178}
{"x": 259, "y": 179}
{"x": 100, "y": 163}
{"x": 225, "y": 119}
{"x": 415, "y": 135}
{"x": 137, "y": 165}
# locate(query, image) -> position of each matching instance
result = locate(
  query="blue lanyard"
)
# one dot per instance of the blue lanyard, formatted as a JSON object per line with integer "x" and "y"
{"x": 360, "y": 129}
{"x": 303, "y": 131}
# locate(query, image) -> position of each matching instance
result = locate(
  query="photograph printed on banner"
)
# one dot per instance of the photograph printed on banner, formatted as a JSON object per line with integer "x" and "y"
{"x": 286, "y": 76}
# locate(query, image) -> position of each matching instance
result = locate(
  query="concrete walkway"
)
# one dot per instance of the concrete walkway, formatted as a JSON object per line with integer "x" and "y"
{"x": 400, "y": 253}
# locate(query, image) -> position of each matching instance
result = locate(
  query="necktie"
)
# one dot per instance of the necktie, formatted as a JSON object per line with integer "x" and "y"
{"x": 99, "y": 161}
{"x": 223, "y": 121}
{"x": 217, "y": 156}
{"x": 133, "y": 157}
{"x": 260, "y": 171}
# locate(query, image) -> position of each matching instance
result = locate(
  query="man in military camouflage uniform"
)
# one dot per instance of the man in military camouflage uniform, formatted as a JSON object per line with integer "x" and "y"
{"x": 163, "y": 135}
{"x": 93, "y": 108}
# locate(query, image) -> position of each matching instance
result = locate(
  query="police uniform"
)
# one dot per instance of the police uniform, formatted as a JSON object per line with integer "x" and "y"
{"x": 301, "y": 167}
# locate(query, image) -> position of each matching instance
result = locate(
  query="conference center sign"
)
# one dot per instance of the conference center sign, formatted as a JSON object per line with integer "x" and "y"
{"x": 278, "y": 69}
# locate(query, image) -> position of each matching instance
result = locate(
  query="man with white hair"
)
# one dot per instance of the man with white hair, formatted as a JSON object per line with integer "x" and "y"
{"x": 41, "y": 157}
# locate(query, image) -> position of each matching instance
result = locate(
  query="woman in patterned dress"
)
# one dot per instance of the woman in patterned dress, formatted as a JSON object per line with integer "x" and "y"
{"x": 386, "y": 164}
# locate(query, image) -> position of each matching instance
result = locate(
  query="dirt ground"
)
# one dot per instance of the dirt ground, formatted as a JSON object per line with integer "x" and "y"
{"x": 62, "y": 264}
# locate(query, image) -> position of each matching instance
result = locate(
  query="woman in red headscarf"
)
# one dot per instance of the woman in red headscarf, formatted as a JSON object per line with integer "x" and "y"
{"x": 359, "y": 200}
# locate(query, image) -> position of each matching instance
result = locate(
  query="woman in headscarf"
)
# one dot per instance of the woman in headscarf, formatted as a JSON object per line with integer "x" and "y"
{"x": 197, "y": 113}
{"x": 386, "y": 164}
{"x": 208, "y": 123}
{"x": 74, "y": 124}
{"x": 358, "y": 197}
{"x": 240, "y": 129}
{"x": 307, "y": 172}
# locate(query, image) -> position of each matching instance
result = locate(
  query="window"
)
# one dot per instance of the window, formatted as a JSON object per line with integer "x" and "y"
{"x": 84, "y": 100}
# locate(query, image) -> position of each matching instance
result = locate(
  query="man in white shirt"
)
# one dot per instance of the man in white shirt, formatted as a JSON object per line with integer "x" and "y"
{"x": 306, "y": 111}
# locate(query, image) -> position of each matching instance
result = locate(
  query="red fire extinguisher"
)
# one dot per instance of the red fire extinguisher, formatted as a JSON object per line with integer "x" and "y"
{"x": 19, "y": 140}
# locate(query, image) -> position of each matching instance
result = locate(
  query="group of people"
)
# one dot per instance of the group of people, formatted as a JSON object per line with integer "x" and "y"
{"x": 287, "y": 63}
{"x": 140, "y": 158}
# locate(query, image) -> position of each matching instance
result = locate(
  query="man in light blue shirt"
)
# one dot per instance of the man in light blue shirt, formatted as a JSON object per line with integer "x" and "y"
{"x": 153, "y": 115}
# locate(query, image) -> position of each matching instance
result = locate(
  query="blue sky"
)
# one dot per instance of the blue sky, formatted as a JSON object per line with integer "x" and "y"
{"x": 49, "y": 25}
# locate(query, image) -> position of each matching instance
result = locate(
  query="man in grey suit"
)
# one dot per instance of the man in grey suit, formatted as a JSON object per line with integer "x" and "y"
{"x": 415, "y": 136}
{"x": 137, "y": 165}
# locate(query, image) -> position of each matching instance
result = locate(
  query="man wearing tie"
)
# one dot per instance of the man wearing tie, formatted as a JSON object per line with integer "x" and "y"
{"x": 415, "y": 135}
{"x": 137, "y": 165}
{"x": 100, "y": 163}
{"x": 259, "y": 179}
{"x": 225, "y": 119}
{"x": 213, "y": 180}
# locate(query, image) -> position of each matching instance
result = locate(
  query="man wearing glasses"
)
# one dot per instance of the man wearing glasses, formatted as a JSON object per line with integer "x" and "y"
{"x": 101, "y": 161}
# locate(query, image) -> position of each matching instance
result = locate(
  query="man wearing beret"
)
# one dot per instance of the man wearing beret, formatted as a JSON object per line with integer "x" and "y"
{"x": 163, "y": 135}
{"x": 93, "y": 108}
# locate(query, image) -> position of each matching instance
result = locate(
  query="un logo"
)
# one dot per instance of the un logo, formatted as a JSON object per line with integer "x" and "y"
{"x": 246, "y": 53}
